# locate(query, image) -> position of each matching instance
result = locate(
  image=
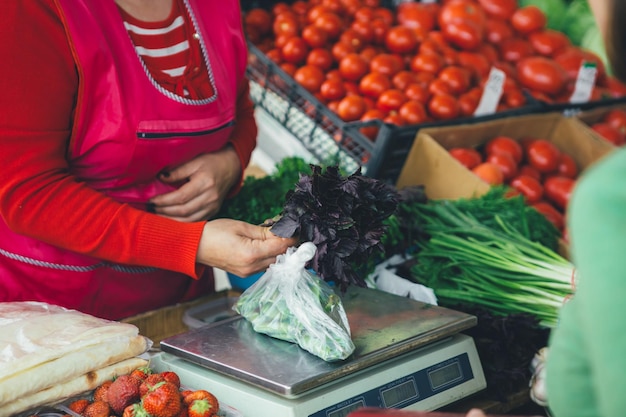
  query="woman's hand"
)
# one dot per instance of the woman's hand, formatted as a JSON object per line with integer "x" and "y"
{"x": 208, "y": 179}
{"x": 240, "y": 248}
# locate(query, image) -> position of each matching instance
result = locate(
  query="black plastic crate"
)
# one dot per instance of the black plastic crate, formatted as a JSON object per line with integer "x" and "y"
{"x": 330, "y": 139}
{"x": 325, "y": 135}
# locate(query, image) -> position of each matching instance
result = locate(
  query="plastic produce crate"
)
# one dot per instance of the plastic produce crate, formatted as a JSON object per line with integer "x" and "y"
{"x": 331, "y": 140}
{"x": 325, "y": 135}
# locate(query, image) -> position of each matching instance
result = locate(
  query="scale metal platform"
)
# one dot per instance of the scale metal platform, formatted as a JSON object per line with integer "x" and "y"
{"x": 408, "y": 355}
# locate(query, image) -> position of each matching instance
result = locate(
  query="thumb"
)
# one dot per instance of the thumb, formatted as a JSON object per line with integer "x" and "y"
{"x": 181, "y": 173}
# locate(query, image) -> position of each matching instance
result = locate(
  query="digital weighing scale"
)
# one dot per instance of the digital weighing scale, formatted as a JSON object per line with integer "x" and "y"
{"x": 409, "y": 355}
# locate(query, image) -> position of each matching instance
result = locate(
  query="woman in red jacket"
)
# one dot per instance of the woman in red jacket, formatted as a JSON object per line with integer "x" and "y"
{"x": 123, "y": 127}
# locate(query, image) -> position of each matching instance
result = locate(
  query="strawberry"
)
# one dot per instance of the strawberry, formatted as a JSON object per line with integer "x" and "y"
{"x": 150, "y": 381}
{"x": 141, "y": 373}
{"x": 78, "y": 406}
{"x": 203, "y": 408}
{"x": 172, "y": 377}
{"x": 97, "y": 409}
{"x": 162, "y": 400}
{"x": 123, "y": 392}
{"x": 135, "y": 410}
{"x": 199, "y": 394}
{"x": 185, "y": 392}
{"x": 100, "y": 393}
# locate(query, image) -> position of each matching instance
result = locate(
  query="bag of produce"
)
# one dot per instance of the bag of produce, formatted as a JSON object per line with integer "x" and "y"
{"x": 290, "y": 303}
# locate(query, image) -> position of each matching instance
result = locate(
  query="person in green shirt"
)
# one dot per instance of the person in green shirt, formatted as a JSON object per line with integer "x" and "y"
{"x": 586, "y": 365}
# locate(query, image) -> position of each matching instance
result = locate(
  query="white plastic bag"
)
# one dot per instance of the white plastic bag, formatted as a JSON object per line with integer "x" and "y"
{"x": 290, "y": 303}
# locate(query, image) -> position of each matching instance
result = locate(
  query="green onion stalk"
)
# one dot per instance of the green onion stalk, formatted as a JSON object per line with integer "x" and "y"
{"x": 498, "y": 268}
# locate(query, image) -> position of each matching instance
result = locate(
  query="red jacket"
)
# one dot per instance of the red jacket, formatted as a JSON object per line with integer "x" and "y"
{"x": 77, "y": 119}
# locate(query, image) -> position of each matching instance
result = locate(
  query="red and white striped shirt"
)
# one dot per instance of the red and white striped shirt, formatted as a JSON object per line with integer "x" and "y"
{"x": 171, "y": 52}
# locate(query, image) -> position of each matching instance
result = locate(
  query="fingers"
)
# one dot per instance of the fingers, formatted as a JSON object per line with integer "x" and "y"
{"x": 239, "y": 247}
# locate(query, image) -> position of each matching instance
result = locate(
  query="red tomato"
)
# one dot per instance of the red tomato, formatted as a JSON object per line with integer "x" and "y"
{"x": 456, "y": 11}
{"x": 285, "y": 25}
{"x": 374, "y": 84}
{"x": 572, "y": 57}
{"x": 443, "y": 107}
{"x": 391, "y": 100}
{"x": 439, "y": 86}
{"x": 352, "y": 38}
{"x": 615, "y": 87}
{"x": 468, "y": 103}
{"x": 541, "y": 74}
{"x": 314, "y": 36}
{"x": 551, "y": 213}
{"x": 506, "y": 163}
{"x": 514, "y": 49}
{"x": 558, "y": 190}
{"x": 489, "y": 173}
{"x": 528, "y": 19}
{"x": 353, "y": 67}
{"x": 567, "y": 166}
{"x": 372, "y": 114}
{"x": 315, "y": 12}
{"x": 310, "y": 77}
{"x": 333, "y": 89}
{"x": 549, "y": 42}
{"x": 260, "y": 19}
{"x": 529, "y": 187}
{"x": 416, "y": 16}
{"x": 401, "y": 40}
{"x": 543, "y": 155}
{"x": 466, "y": 35}
{"x": 403, "y": 79}
{"x": 475, "y": 62}
{"x": 413, "y": 112}
{"x": 351, "y": 108}
{"x": 530, "y": 172}
{"x": 468, "y": 157}
{"x": 387, "y": 64}
{"x": 497, "y": 30}
{"x": 321, "y": 58}
{"x": 457, "y": 78}
{"x": 295, "y": 50}
{"x": 394, "y": 118}
{"x": 365, "y": 31}
{"x": 417, "y": 92}
{"x": 501, "y": 9}
{"x": 330, "y": 23}
{"x": 430, "y": 62}
{"x": 505, "y": 145}
{"x": 609, "y": 133}
{"x": 617, "y": 119}
{"x": 340, "y": 49}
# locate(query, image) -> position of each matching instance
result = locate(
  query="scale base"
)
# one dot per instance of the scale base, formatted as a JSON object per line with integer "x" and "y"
{"x": 423, "y": 380}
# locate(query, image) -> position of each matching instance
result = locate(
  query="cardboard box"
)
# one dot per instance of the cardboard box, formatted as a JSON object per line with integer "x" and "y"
{"x": 429, "y": 163}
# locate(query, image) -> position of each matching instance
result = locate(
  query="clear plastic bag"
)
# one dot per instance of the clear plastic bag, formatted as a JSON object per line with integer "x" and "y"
{"x": 290, "y": 303}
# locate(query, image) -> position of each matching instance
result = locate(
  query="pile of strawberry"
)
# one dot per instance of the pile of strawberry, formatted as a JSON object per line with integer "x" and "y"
{"x": 144, "y": 393}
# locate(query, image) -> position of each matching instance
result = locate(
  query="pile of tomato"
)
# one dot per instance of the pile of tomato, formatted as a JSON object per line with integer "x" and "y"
{"x": 420, "y": 62}
{"x": 533, "y": 167}
{"x": 612, "y": 126}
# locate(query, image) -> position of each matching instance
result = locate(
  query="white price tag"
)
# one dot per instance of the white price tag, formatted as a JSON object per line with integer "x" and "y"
{"x": 585, "y": 81}
{"x": 492, "y": 93}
